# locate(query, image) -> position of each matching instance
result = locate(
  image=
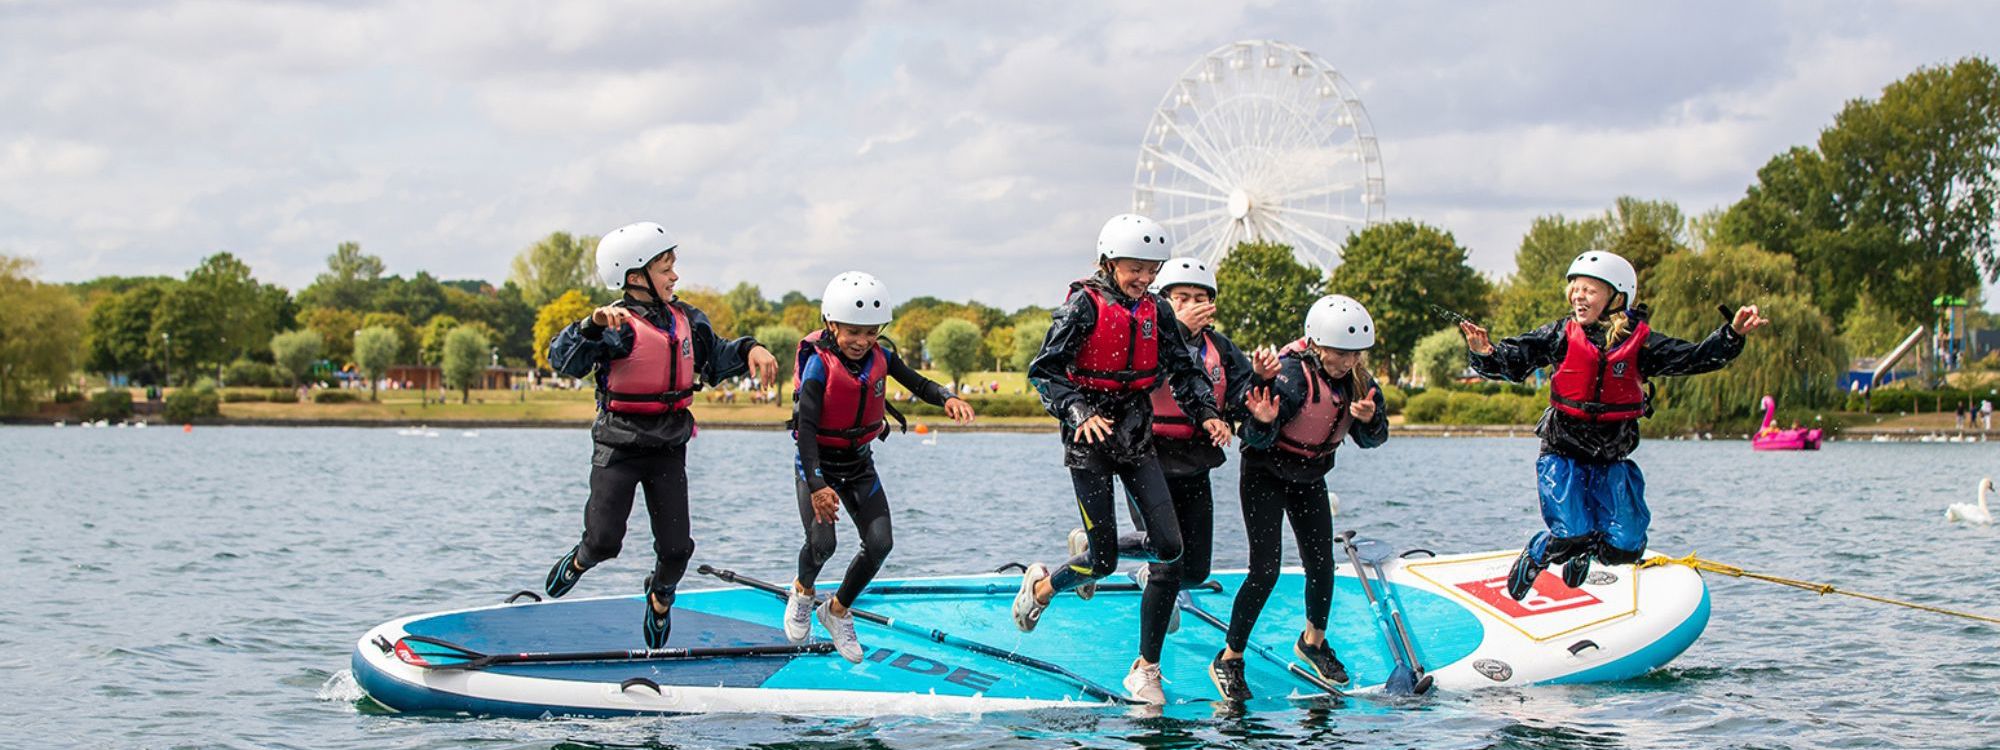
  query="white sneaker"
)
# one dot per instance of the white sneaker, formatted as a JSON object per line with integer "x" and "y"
{"x": 798, "y": 616}
{"x": 1143, "y": 683}
{"x": 842, "y": 630}
{"x": 1027, "y": 609}
{"x": 1140, "y": 576}
{"x": 1079, "y": 544}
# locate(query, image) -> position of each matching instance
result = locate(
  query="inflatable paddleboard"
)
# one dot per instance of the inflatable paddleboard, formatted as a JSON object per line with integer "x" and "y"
{"x": 1467, "y": 633}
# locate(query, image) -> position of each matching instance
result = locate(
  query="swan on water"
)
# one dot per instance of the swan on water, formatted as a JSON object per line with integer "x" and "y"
{"x": 1969, "y": 512}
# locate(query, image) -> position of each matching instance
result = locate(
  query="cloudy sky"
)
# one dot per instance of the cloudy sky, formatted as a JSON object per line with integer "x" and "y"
{"x": 956, "y": 149}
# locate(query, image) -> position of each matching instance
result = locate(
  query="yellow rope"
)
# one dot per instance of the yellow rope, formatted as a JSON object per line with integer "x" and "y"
{"x": 1820, "y": 588}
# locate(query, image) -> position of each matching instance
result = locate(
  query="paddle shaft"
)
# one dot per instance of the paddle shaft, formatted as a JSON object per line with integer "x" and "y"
{"x": 1089, "y": 688}
{"x": 991, "y": 589}
{"x": 476, "y": 660}
{"x": 1396, "y": 616}
{"x": 1187, "y": 605}
{"x": 1403, "y": 660}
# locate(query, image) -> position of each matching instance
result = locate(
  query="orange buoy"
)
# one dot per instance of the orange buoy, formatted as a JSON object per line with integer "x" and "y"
{"x": 187, "y": 428}
{"x": 923, "y": 429}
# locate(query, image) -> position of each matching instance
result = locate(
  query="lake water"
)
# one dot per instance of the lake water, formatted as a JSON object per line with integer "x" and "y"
{"x": 170, "y": 589}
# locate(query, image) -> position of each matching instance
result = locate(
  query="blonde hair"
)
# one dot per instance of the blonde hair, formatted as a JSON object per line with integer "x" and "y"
{"x": 1620, "y": 324}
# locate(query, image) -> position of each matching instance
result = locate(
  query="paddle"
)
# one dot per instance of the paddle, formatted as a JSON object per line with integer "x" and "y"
{"x": 432, "y": 653}
{"x": 990, "y": 589}
{"x": 1089, "y": 688}
{"x": 1374, "y": 552}
{"x": 1402, "y": 679}
{"x": 1187, "y": 605}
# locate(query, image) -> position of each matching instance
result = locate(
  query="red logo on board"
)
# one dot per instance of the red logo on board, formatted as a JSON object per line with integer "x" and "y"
{"x": 1549, "y": 595}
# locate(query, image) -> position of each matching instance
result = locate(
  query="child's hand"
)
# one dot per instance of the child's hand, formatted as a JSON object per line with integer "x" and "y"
{"x": 1264, "y": 362}
{"x": 1364, "y": 409}
{"x": 610, "y": 316}
{"x": 1092, "y": 430}
{"x": 826, "y": 505}
{"x": 1747, "y": 320}
{"x": 763, "y": 366}
{"x": 1196, "y": 317}
{"x": 1218, "y": 432}
{"x": 1263, "y": 404}
{"x": 958, "y": 410}
{"x": 1475, "y": 338}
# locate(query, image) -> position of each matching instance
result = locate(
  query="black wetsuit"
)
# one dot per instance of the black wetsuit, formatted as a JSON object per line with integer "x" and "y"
{"x": 1128, "y": 452}
{"x": 1277, "y": 485}
{"x": 851, "y": 474}
{"x": 1186, "y": 465}
{"x": 641, "y": 450}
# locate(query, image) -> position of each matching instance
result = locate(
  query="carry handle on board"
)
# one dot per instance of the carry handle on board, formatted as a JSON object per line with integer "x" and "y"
{"x": 1408, "y": 676}
{"x": 434, "y": 653}
{"x": 1089, "y": 688}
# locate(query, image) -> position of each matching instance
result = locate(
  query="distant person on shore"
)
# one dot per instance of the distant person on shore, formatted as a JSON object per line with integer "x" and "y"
{"x": 1958, "y": 415}
{"x": 1592, "y": 494}
{"x": 1108, "y": 345}
{"x": 646, "y": 351}
{"x": 1985, "y": 414}
{"x": 843, "y": 371}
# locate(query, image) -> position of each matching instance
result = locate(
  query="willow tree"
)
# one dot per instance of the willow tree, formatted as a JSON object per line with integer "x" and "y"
{"x": 1797, "y": 358}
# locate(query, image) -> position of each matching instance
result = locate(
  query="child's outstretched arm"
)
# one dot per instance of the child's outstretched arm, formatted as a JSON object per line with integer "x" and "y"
{"x": 1668, "y": 356}
{"x": 1513, "y": 359}
{"x": 721, "y": 359}
{"x": 927, "y": 390}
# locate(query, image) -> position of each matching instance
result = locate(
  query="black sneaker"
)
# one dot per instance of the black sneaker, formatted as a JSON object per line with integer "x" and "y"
{"x": 1228, "y": 677}
{"x": 1576, "y": 571}
{"x": 658, "y": 624}
{"x": 1322, "y": 660}
{"x": 1521, "y": 579}
{"x": 563, "y": 576}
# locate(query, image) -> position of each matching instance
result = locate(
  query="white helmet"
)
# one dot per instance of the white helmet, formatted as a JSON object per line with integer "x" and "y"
{"x": 1185, "y": 272}
{"x": 856, "y": 298}
{"x": 629, "y": 248}
{"x": 1338, "y": 321}
{"x": 1610, "y": 269}
{"x": 1132, "y": 236}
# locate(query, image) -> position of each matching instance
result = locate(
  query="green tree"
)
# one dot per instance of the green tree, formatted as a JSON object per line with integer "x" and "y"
{"x": 375, "y": 350}
{"x": 187, "y": 336}
{"x": 118, "y": 332}
{"x": 782, "y": 340}
{"x": 953, "y": 347}
{"x": 1028, "y": 338}
{"x": 406, "y": 334}
{"x": 711, "y": 303}
{"x": 556, "y": 264}
{"x": 1439, "y": 358}
{"x": 416, "y": 299}
{"x": 336, "y": 329}
{"x": 1264, "y": 296}
{"x": 1644, "y": 232}
{"x": 1398, "y": 271}
{"x": 465, "y": 359}
{"x": 239, "y": 304}
{"x": 350, "y": 282}
{"x": 998, "y": 347}
{"x": 1872, "y": 329}
{"x": 1797, "y": 358}
{"x": 746, "y": 298}
{"x": 803, "y": 316}
{"x": 430, "y": 348}
{"x": 295, "y": 352}
{"x": 39, "y": 334}
{"x": 555, "y": 316}
{"x": 1534, "y": 295}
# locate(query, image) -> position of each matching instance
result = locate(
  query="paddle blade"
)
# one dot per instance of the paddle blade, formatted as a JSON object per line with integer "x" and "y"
{"x": 1401, "y": 682}
{"x": 1373, "y": 551}
{"x": 431, "y": 653}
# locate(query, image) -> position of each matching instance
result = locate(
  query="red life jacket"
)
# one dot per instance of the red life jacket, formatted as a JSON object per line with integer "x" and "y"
{"x": 1322, "y": 421}
{"x": 1123, "y": 351}
{"x": 658, "y": 376}
{"x": 851, "y": 412}
{"x": 1599, "y": 386}
{"x": 1168, "y": 419}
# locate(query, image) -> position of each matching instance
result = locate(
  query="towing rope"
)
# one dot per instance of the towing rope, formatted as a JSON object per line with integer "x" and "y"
{"x": 1822, "y": 589}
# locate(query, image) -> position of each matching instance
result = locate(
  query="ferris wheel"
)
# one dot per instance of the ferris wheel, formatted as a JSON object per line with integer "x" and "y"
{"x": 1260, "y": 141}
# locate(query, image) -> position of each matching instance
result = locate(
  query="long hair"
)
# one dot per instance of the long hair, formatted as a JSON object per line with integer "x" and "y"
{"x": 1619, "y": 324}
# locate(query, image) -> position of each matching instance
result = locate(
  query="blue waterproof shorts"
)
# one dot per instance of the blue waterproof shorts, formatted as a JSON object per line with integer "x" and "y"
{"x": 1581, "y": 499}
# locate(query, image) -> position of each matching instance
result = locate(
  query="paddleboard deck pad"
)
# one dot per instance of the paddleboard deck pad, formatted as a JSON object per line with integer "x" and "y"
{"x": 1623, "y": 622}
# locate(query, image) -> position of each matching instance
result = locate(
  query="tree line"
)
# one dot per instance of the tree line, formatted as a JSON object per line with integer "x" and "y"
{"x": 1843, "y": 243}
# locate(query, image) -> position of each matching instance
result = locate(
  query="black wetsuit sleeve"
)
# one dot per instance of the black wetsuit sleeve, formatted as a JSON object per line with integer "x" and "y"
{"x": 1236, "y": 374}
{"x": 1665, "y": 355}
{"x": 1184, "y": 375}
{"x": 811, "y": 395}
{"x": 1048, "y": 372}
{"x": 718, "y": 358}
{"x": 583, "y": 346}
{"x": 1514, "y": 359}
{"x": 925, "y": 389}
